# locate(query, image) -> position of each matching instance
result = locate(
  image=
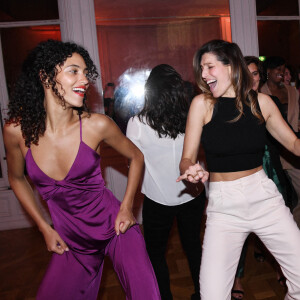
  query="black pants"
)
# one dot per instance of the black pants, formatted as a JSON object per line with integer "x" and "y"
{"x": 157, "y": 222}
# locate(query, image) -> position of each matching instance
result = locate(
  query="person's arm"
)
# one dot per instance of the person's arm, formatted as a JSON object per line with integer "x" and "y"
{"x": 113, "y": 136}
{"x": 277, "y": 126}
{"x": 189, "y": 168}
{"x": 280, "y": 107}
{"x": 23, "y": 191}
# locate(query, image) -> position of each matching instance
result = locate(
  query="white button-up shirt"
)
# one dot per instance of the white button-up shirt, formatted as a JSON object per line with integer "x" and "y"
{"x": 162, "y": 157}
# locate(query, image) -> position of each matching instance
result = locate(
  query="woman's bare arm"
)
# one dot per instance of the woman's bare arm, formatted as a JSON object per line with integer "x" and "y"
{"x": 22, "y": 189}
{"x": 277, "y": 126}
{"x": 189, "y": 169}
{"x": 113, "y": 136}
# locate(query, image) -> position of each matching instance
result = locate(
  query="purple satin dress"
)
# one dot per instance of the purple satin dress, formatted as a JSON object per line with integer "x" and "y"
{"x": 83, "y": 212}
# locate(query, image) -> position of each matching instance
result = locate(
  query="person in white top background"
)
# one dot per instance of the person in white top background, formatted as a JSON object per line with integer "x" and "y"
{"x": 158, "y": 131}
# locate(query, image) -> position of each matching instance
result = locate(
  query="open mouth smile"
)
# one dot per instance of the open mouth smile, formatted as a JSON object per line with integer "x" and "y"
{"x": 212, "y": 84}
{"x": 80, "y": 91}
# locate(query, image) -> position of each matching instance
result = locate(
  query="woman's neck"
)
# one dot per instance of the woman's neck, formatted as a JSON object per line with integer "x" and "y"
{"x": 274, "y": 85}
{"x": 57, "y": 116}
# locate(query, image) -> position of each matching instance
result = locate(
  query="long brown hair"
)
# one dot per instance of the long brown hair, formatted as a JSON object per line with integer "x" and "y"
{"x": 241, "y": 79}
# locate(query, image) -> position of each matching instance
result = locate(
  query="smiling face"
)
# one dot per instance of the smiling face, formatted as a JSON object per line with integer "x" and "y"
{"x": 276, "y": 75}
{"x": 255, "y": 74}
{"x": 217, "y": 76}
{"x": 71, "y": 80}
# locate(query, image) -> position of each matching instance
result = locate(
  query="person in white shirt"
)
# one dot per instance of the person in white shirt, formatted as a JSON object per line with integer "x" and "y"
{"x": 158, "y": 131}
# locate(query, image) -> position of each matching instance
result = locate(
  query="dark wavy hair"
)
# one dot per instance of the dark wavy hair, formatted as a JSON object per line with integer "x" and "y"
{"x": 255, "y": 60}
{"x": 166, "y": 102}
{"x": 26, "y": 106}
{"x": 241, "y": 79}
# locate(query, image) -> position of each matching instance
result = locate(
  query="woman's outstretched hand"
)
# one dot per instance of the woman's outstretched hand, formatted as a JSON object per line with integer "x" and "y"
{"x": 124, "y": 220}
{"x": 54, "y": 242}
{"x": 194, "y": 174}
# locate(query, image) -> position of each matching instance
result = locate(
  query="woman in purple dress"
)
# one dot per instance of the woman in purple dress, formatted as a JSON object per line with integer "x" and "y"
{"x": 50, "y": 132}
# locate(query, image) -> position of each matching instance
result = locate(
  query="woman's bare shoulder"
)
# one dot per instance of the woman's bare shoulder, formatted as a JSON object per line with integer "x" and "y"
{"x": 12, "y": 131}
{"x": 202, "y": 101}
{"x": 202, "y": 106}
{"x": 96, "y": 120}
{"x": 98, "y": 126}
{"x": 267, "y": 105}
{"x": 202, "y": 98}
{"x": 13, "y": 138}
{"x": 264, "y": 100}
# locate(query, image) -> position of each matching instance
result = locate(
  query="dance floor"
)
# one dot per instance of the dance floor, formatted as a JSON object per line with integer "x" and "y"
{"x": 24, "y": 258}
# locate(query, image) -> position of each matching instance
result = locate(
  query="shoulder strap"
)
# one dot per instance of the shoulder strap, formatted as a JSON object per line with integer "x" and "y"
{"x": 80, "y": 128}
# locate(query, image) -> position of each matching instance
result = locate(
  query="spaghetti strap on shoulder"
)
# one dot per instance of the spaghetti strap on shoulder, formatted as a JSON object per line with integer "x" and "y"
{"x": 80, "y": 128}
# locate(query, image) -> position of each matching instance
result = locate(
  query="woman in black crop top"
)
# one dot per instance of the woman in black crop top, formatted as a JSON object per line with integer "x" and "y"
{"x": 230, "y": 120}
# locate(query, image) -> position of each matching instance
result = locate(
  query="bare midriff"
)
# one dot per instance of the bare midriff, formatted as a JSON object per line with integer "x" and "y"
{"x": 229, "y": 176}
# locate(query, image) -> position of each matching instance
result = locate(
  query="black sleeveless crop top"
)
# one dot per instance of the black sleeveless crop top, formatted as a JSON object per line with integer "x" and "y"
{"x": 233, "y": 146}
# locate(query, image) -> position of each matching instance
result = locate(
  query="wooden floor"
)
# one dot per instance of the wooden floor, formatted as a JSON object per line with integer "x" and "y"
{"x": 24, "y": 258}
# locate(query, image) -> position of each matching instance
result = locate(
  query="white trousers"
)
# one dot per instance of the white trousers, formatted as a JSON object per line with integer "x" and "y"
{"x": 236, "y": 208}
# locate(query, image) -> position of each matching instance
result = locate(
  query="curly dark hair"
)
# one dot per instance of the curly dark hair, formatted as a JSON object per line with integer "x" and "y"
{"x": 241, "y": 78}
{"x": 26, "y": 106}
{"x": 166, "y": 102}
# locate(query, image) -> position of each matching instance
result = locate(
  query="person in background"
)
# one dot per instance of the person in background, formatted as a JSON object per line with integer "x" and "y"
{"x": 290, "y": 76}
{"x": 230, "y": 119}
{"x": 158, "y": 131}
{"x": 50, "y": 131}
{"x": 108, "y": 97}
{"x": 288, "y": 96}
{"x": 287, "y": 77}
